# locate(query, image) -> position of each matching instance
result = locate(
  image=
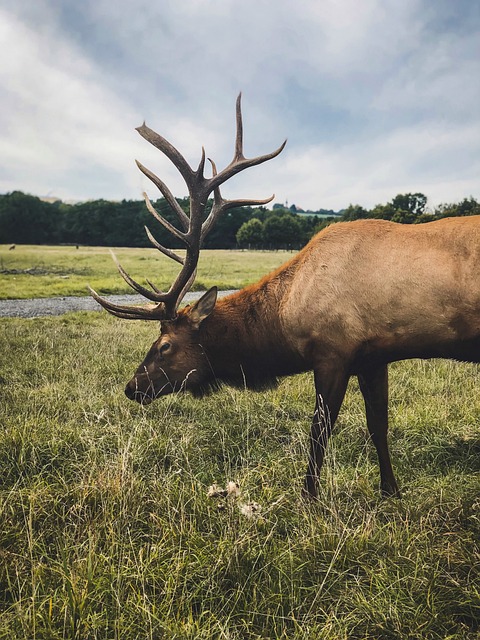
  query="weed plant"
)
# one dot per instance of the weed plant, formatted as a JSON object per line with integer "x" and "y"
{"x": 106, "y": 529}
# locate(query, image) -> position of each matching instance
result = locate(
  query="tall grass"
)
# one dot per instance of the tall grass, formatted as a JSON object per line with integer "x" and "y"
{"x": 106, "y": 529}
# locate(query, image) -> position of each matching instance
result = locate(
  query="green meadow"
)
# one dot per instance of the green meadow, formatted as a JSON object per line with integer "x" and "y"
{"x": 34, "y": 271}
{"x": 107, "y": 528}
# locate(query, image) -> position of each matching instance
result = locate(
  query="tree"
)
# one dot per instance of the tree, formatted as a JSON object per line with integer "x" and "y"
{"x": 307, "y": 228}
{"x": 250, "y": 234}
{"x": 404, "y": 217}
{"x": 467, "y": 207}
{"x": 282, "y": 232}
{"x": 408, "y": 207}
{"x": 412, "y": 203}
{"x": 382, "y": 211}
{"x": 25, "y": 219}
{"x": 354, "y": 212}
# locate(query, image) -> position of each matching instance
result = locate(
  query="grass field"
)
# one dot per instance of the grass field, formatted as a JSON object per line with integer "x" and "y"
{"x": 107, "y": 531}
{"x": 47, "y": 271}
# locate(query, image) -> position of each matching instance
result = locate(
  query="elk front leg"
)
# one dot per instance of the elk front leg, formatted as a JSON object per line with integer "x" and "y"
{"x": 374, "y": 387}
{"x": 330, "y": 387}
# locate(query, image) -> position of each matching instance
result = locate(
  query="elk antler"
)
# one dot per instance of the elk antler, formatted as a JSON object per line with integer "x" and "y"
{"x": 194, "y": 226}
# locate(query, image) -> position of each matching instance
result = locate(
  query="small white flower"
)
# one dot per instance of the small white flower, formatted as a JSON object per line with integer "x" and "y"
{"x": 250, "y": 510}
{"x": 214, "y": 491}
{"x": 233, "y": 490}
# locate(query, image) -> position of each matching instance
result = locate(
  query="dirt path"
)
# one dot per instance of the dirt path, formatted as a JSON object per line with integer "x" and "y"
{"x": 36, "y": 307}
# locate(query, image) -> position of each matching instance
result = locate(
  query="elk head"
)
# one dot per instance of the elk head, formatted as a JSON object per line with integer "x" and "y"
{"x": 176, "y": 361}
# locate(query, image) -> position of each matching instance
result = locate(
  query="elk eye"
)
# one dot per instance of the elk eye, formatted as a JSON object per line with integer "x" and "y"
{"x": 165, "y": 347}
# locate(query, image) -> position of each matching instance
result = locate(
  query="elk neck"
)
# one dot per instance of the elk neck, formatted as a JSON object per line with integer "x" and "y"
{"x": 243, "y": 337}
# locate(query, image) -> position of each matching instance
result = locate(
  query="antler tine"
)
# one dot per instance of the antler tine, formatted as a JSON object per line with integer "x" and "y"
{"x": 154, "y": 297}
{"x": 150, "y": 284}
{"x": 220, "y": 205}
{"x": 201, "y": 165}
{"x": 239, "y": 137}
{"x": 129, "y": 312}
{"x": 239, "y": 162}
{"x": 167, "y": 194}
{"x": 169, "y": 150}
{"x": 224, "y": 205}
{"x": 173, "y": 230}
{"x": 162, "y": 249}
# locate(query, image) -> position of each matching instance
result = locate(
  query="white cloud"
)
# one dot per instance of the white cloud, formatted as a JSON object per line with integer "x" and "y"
{"x": 443, "y": 164}
{"x": 375, "y": 97}
{"x": 60, "y": 116}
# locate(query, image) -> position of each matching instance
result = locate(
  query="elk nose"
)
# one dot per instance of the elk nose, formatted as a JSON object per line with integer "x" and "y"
{"x": 130, "y": 390}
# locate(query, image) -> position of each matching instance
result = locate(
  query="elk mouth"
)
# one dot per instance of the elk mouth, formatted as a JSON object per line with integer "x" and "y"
{"x": 139, "y": 396}
{"x": 133, "y": 392}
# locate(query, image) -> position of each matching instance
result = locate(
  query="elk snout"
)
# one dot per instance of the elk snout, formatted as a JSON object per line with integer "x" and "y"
{"x": 130, "y": 390}
{"x": 133, "y": 393}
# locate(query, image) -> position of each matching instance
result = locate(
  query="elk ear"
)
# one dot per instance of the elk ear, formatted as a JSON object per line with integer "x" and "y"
{"x": 203, "y": 307}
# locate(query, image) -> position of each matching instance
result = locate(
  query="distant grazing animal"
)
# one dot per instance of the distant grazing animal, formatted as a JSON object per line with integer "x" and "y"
{"x": 358, "y": 296}
{"x": 12, "y": 247}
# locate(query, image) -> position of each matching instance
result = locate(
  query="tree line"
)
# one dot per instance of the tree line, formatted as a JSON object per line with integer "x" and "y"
{"x": 26, "y": 219}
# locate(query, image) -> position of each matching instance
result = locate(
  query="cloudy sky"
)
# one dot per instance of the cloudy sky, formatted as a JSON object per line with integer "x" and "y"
{"x": 376, "y": 97}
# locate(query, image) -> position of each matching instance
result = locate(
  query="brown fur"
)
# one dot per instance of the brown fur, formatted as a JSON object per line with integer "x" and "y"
{"x": 358, "y": 296}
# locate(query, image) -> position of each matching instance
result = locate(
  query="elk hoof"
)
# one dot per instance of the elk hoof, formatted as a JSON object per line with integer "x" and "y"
{"x": 390, "y": 492}
{"x": 308, "y": 496}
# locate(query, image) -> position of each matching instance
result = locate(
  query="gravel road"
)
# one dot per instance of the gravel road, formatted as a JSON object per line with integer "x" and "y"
{"x": 36, "y": 307}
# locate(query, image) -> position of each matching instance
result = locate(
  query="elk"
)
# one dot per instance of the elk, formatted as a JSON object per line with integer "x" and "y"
{"x": 360, "y": 295}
